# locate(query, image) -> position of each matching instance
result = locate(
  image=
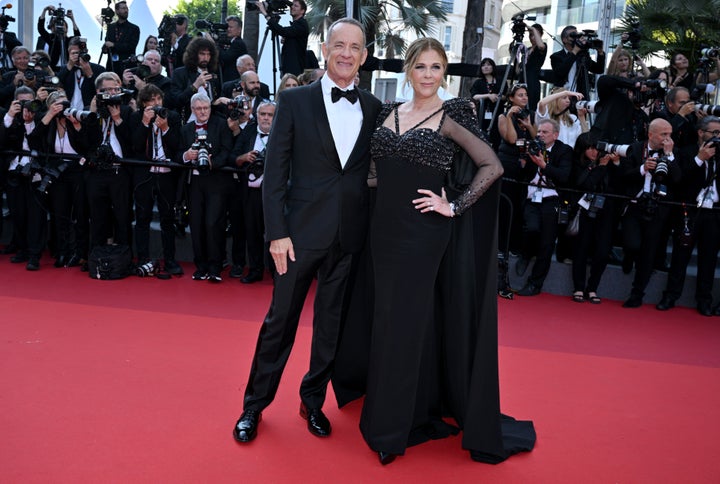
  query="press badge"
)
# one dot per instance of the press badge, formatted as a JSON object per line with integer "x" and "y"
{"x": 537, "y": 196}
{"x": 705, "y": 197}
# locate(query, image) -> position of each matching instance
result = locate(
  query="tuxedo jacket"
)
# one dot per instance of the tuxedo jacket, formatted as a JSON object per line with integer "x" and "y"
{"x": 68, "y": 79}
{"x": 125, "y": 37}
{"x": 559, "y": 166}
{"x": 181, "y": 89}
{"x": 307, "y": 194}
{"x": 295, "y": 39}
{"x": 218, "y": 135}
{"x": 142, "y": 139}
{"x": 694, "y": 177}
{"x": 633, "y": 182}
{"x": 228, "y": 58}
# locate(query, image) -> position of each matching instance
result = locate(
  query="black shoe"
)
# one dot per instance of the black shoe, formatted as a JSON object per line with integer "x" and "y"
{"x": 9, "y": 249}
{"x": 74, "y": 261}
{"x": 529, "y": 290}
{"x": 665, "y": 304}
{"x": 716, "y": 311}
{"x": 521, "y": 266}
{"x": 246, "y": 427}
{"x": 236, "y": 271}
{"x": 633, "y": 302}
{"x": 253, "y": 276}
{"x": 386, "y": 457}
{"x": 19, "y": 258}
{"x": 214, "y": 278}
{"x": 61, "y": 261}
{"x": 200, "y": 275}
{"x": 704, "y": 308}
{"x": 317, "y": 422}
{"x": 33, "y": 264}
{"x": 173, "y": 268}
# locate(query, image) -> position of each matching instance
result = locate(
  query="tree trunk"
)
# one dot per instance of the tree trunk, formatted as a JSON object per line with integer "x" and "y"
{"x": 251, "y": 31}
{"x": 472, "y": 41}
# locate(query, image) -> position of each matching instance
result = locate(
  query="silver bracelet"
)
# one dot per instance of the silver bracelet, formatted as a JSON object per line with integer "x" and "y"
{"x": 452, "y": 209}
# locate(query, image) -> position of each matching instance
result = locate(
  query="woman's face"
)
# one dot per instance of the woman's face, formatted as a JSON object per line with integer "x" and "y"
{"x": 520, "y": 97}
{"x": 563, "y": 103}
{"x": 290, "y": 83}
{"x": 486, "y": 68}
{"x": 680, "y": 62}
{"x": 623, "y": 63}
{"x": 426, "y": 75}
{"x": 152, "y": 43}
{"x": 591, "y": 153}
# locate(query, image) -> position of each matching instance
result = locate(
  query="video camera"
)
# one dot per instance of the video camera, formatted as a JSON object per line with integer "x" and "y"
{"x": 519, "y": 26}
{"x": 218, "y": 31}
{"x": 634, "y": 35}
{"x": 165, "y": 31}
{"x": 5, "y": 19}
{"x": 203, "y": 147}
{"x": 58, "y": 20}
{"x": 273, "y": 7}
{"x": 107, "y": 13}
{"x": 587, "y": 39}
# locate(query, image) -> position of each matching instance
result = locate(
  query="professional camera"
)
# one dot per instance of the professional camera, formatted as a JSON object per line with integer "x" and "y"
{"x": 84, "y": 54}
{"x": 79, "y": 114}
{"x": 634, "y": 35}
{"x": 536, "y": 146}
{"x": 104, "y": 157}
{"x": 587, "y": 39}
{"x": 710, "y": 109}
{"x": 659, "y": 176}
{"x": 273, "y": 7}
{"x": 256, "y": 169}
{"x": 5, "y": 19}
{"x": 107, "y": 13}
{"x": 28, "y": 169}
{"x": 50, "y": 174}
{"x": 699, "y": 91}
{"x": 607, "y": 147}
{"x": 710, "y": 52}
{"x": 203, "y": 148}
{"x": 238, "y": 107}
{"x": 654, "y": 89}
{"x": 593, "y": 107}
{"x": 160, "y": 111}
{"x": 523, "y": 113}
{"x": 713, "y": 142}
{"x": 32, "y": 105}
{"x": 104, "y": 100}
{"x": 518, "y": 26}
{"x": 140, "y": 69}
{"x": 218, "y": 31}
{"x": 148, "y": 269}
{"x": 592, "y": 203}
{"x": 58, "y": 20}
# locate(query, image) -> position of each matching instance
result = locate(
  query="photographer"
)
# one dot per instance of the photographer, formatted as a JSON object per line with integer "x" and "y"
{"x": 148, "y": 72}
{"x": 8, "y": 41}
{"x": 179, "y": 41}
{"x": 230, "y": 52}
{"x": 680, "y": 112}
{"x": 621, "y": 60}
{"x": 700, "y": 223}
{"x": 17, "y": 77}
{"x": 121, "y": 39}
{"x": 57, "y": 39}
{"x": 79, "y": 75}
{"x": 28, "y": 206}
{"x": 108, "y": 183}
{"x": 533, "y": 65}
{"x": 620, "y": 118}
{"x": 57, "y": 133}
{"x": 649, "y": 175}
{"x": 156, "y": 136}
{"x": 295, "y": 36}
{"x": 572, "y": 66}
{"x": 249, "y": 153}
{"x": 547, "y": 168}
{"x": 206, "y": 143}
{"x": 198, "y": 75}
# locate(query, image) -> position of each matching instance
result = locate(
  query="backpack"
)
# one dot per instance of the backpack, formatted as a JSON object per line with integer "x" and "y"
{"x": 110, "y": 262}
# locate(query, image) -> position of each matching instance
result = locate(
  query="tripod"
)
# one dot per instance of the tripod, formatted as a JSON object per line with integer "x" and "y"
{"x": 518, "y": 46}
{"x": 276, "y": 60}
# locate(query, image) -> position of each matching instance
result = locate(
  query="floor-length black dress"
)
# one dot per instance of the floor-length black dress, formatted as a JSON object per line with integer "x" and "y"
{"x": 421, "y": 366}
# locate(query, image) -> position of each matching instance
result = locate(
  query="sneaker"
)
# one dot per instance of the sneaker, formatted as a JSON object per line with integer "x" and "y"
{"x": 199, "y": 275}
{"x": 215, "y": 278}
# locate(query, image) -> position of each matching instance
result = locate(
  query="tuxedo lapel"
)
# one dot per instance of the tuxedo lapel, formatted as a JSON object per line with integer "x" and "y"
{"x": 317, "y": 110}
{"x": 368, "y": 125}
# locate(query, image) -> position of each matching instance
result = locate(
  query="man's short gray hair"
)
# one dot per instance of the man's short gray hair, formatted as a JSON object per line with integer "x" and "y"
{"x": 199, "y": 97}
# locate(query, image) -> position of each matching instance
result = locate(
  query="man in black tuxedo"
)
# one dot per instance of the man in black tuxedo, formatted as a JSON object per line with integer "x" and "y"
{"x": 315, "y": 198}
{"x": 209, "y": 187}
{"x": 152, "y": 66}
{"x": 180, "y": 40}
{"x": 121, "y": 39}
{"x": 198, "y": 75}
{"x": 645, "y": 217}
{"x": 295, "y": 37}
{"x": 549, "y": 170}
{"x": 229, "y": 53}
{"x": 700, "y": 223}
{"x": 244, "y": 63}
{"x": 572, "y": 66}
{"x": 78, "y": 76}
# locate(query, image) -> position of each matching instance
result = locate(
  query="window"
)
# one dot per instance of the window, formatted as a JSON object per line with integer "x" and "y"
{"x": 447, "y": 5}
{"x": 448, "y": 38}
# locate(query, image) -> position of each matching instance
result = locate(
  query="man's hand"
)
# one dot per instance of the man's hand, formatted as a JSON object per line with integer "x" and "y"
{"x": 161, "y": 123}
{"x": 539, "y": 161}
{"x": 202, "y": 79}
{"x": 668, "y": 145}
{"x": 687, "y": 108}
{"x": 15, "y": 108}
{"x": 706, "y": 151}
{"x": 281, "y": 250}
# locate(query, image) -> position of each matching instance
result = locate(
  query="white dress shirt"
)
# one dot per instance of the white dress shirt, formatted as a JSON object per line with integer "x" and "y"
{"x": 345, "y": 119}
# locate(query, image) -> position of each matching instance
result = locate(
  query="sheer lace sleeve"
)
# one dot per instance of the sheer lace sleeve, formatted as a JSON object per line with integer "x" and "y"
{"x": 460, "y": 125}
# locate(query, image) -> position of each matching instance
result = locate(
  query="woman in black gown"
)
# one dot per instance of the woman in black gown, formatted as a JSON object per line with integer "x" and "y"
{"x": 420, "y": 368}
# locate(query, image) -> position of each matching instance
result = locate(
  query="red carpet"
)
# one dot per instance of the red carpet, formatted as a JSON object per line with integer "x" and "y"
{"x": 141, "y": 380}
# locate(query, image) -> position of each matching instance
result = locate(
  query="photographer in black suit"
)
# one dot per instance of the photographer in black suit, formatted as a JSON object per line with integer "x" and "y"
{"x": 229, "y": 53}
{"x": 78, "y": 76}
{"x": 206, "y": 144}
{"x": 121, "y": 39}
{"x": 198, "y": 75}
{"x": 295, "y": 36}
{"x": 572, "y": 66}
{"x": 156, "y": 137}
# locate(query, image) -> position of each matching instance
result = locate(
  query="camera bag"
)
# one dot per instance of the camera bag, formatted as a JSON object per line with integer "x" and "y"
{"x": 109, "y": 262}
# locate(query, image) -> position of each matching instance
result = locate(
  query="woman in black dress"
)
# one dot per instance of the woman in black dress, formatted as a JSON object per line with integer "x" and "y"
{"x": 485, "y": 91}
{"x": 420, "y": 368}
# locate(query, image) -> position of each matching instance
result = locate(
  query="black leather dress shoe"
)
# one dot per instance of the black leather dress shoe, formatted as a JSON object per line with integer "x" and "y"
{"x": 529, "y": 290}
{"x": 317, "y": 422}
{"x": 386, "y": 457}
{"x": 716, "y": 311}
{"x": 633, "y": 302}
{"x": 236, "y": 271}
{"x": 73, "y": 261}
{"x": 253, "y": 276}
{"x": 246, "y": 427}
{"x": 33, "y": 264}
{"x": 61, "y": 261}
{"x": 173, "y": 268}
{"x": 19, "y": 258}
{"x": 704, "y": 308}
{"x": 665, "y": 304}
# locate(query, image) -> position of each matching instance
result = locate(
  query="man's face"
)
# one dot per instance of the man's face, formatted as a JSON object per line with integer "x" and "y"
{"x": 265, "y": 116}
{"x": 681, "y": 98}
{"x": 296, "y": 11}
{"x": 547, "y": 134}
{"x": 711, "y": 131}
{"x": 251, "y": 85}
{"x": 122, "y": 11}
{"x": 247, "y": 64}
{"x": 344, "y": 52}
{"x": 26, "y": 114}
{"x": 201, "y": 110}
{"x": 21, "y": 59}
{"x": 204, "y": 57}
{"x": 152, "y": 60}
{"x": 109, "y": 86}
{"x": 154, "y": 101}
{"x": 233, "y": 29}
{"x": 569, "y": 38}
{"x": 657, "y": 134}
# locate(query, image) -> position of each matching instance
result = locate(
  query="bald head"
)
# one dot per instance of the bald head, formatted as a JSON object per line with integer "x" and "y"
{"x": 245, "y": 63}
{"x": 659, "y": 134}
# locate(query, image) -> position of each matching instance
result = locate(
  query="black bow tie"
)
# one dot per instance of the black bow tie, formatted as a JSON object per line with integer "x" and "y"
{"x": 351, "y": 95}
{"x": 263, "y": 135}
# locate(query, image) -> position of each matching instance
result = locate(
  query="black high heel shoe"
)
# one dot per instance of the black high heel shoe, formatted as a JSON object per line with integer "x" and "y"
{"x": 386, "y": 457}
